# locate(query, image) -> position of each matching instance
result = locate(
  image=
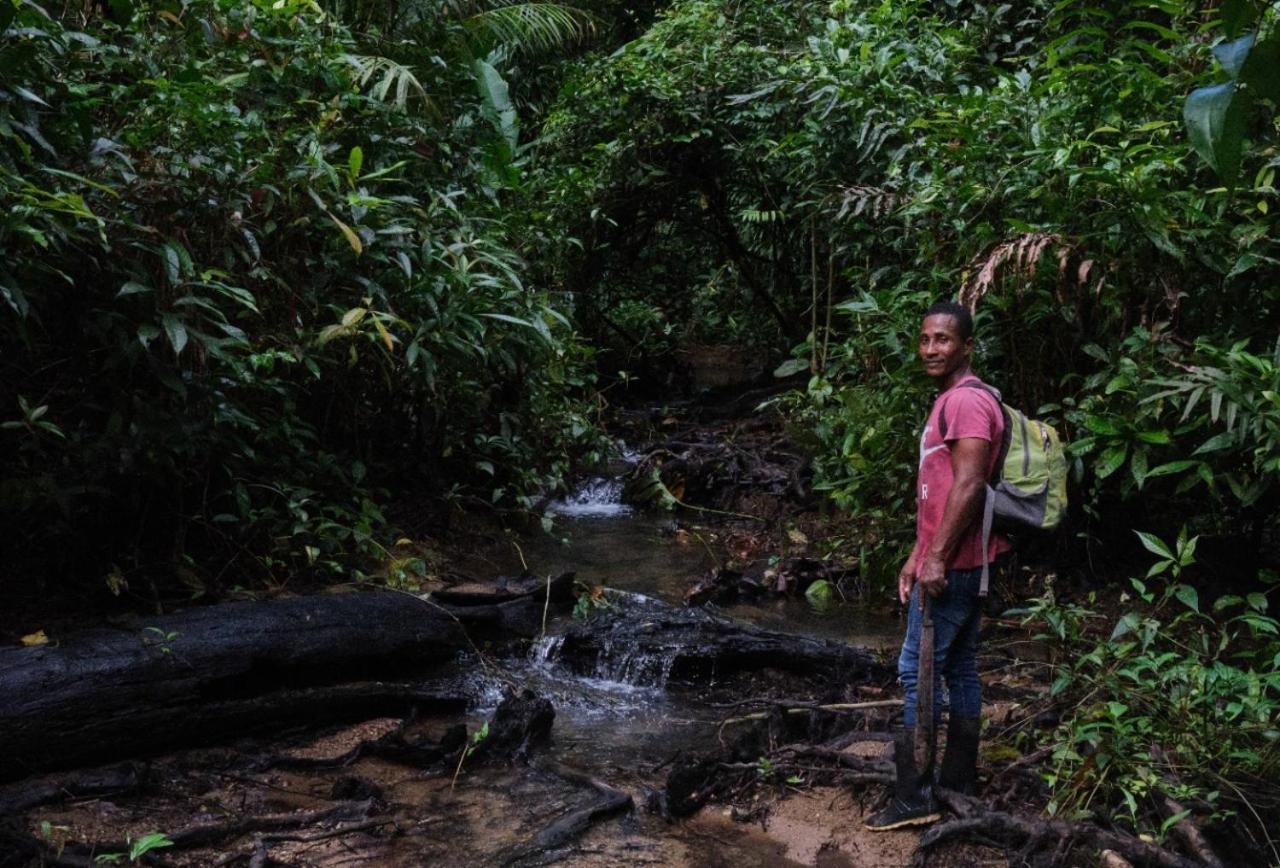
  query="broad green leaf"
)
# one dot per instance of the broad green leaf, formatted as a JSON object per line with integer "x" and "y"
{"x": 1153, "y": 544}
{"x": 820, "y": 591}
{"x": 1232, "y": 55}
{"x": 1188, "y": 597}
{"x": 29, "y": 95}
{"x": 175, "y": 331}
{"x": 1125, "y": 625}
{"x": 1101, "y": 425}
{"x": 1110, "y": 460}
{"x": 791, "y": 367}
{"x": 1216, "y": 443}
{"x": 1258, "y": 601}
{"x": 1225, "y": 601}
{"x": 384, "y": 334}
{"x": 172, "y": 263}
{"x": 497, "y": 109}
{"x": 1171, "y": 468}
{"x": 1214, "y": 118}
{"x": 352, "y": 238}
{"x": 1138, "y": 466}
{"x": 355, "y": 161}
{"x": 131, "y": 287}
{"x": 508, "y": 318}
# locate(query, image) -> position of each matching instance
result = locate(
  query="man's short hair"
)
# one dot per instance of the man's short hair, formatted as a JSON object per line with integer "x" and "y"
{"x": 960, "y": 313}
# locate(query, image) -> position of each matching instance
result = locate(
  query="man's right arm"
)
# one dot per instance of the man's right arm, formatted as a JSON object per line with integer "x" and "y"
{"x": 907, "y": 575}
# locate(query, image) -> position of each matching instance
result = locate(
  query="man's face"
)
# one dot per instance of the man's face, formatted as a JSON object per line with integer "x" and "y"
{"x": 941, "y": 349}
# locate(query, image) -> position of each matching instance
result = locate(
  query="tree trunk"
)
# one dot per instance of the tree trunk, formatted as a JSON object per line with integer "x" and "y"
{"x": 223, "y": 671}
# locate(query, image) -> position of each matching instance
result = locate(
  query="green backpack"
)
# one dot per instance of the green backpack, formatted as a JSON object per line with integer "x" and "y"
{"x": 1028, "y": 488}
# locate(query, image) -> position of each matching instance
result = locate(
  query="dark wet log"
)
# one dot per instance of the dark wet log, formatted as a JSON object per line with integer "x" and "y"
{"x": 642, "y": 641}
{"x": 505, "y": 590}
{"x": 221, "y": 671}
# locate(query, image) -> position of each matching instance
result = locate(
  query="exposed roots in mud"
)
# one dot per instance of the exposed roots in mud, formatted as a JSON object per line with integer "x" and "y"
{"x": 575, "y": 823}
{"x": 768, "y": 754}
{"x": 205, "y": 834}
{"x": 1041, "y": 842}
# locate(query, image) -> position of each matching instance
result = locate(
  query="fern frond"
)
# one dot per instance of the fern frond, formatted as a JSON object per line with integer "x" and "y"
{"x": 391, "y": 81}
{"x": 874, "y": 202}
{"x": 532, "y": 27}
{"x": 1018, "y": 257}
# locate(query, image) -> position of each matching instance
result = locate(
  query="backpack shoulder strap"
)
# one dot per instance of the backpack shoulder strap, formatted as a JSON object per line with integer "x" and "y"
{"x": 989, "y": 498}
{"x": 971, "y": 384}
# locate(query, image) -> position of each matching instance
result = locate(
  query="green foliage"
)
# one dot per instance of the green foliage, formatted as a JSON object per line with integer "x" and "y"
{"x": 840, "y": 166}
{"x": 257, "y": 273}
{"x": 590, "y": 600}
{"x": 138, "y": 847}
{"x": 1181, "y": 696}
{"x": 1183, "y": 421}
{"x": 1217, "y": 116}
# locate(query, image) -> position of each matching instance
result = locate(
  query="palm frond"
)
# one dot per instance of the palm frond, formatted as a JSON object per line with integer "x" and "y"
{"x": 386, "y": 80}
{"x": 532, "y": 27}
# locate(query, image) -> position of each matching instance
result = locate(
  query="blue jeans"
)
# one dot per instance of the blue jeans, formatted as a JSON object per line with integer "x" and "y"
{"x": 957, "y": 613}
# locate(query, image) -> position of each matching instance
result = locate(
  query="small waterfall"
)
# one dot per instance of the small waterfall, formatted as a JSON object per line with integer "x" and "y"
{"x": 544, "y": 652}
{"x": 597, "y": 497}
{"x": 627, "y": 664}
{"x": 620, "y": 667}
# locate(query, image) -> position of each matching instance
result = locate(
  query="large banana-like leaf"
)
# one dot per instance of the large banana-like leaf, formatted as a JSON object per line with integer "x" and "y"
{"x": 497, "y": 107}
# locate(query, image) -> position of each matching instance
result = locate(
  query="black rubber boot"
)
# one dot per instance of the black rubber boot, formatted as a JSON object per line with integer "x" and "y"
{"x": 960, "y": 761}
{"x": 912, "y": 803}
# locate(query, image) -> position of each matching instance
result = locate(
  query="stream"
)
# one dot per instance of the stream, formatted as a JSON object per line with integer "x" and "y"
{"x": 622, "y": 724}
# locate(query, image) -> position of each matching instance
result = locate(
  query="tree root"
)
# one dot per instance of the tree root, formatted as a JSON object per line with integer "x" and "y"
{"x": 95, "y": 783}
{"x": 198, "y": 835}
{"x": 806, "y": 708}
{"x": 575, "y": 823}
{"x": 974, "y": 818}
{"x": 257, "y": 854}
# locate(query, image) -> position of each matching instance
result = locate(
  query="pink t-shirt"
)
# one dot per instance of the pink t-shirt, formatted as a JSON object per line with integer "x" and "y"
{"x": 970, "y": 413}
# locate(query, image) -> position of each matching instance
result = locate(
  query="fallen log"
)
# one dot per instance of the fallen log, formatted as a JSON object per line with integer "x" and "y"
{"x": 221, "y": 671}
{"x": 646, "y": 642}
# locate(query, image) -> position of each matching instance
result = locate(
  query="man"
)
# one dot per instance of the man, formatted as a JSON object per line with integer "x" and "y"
{"x": 958, "y": 451}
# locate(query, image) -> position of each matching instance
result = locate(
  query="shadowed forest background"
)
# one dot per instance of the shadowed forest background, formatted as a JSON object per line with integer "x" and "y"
{"x": 287, "y": 284}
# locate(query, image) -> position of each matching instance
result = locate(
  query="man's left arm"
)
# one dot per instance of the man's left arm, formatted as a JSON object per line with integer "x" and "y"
{"x": 969, "y": 458}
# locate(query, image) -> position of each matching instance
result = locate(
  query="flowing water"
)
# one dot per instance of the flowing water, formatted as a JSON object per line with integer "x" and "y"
{"x": 620, "y": 723}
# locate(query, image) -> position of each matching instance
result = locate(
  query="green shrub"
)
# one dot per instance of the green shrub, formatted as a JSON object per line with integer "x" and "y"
{"x": 1182, "y": 696}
